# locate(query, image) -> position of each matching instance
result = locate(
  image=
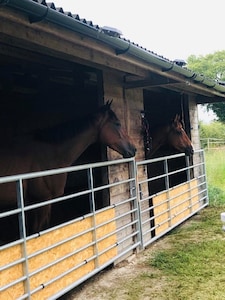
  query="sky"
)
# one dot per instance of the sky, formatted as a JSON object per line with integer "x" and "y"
{"x": 174, "y": 29}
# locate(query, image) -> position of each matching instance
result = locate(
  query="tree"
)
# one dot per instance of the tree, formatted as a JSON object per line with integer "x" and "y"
{"x": 212, "y": 66}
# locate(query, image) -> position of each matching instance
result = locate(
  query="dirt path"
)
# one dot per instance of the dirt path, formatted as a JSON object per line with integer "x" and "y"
{"x": 118, "y": 282}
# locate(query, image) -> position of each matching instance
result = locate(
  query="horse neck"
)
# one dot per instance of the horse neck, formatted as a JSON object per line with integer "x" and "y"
{"x": 71, "y": 149}
{"x": 159, "y": 138}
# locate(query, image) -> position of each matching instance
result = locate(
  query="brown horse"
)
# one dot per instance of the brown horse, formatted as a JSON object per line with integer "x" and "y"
{"x": 57, "y": 148}
{"x": 173, "y": 135}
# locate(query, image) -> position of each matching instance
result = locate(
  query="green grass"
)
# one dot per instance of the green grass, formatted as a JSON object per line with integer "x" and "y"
{"x": 194, "y": 263}
{"x": 215, "y": 168}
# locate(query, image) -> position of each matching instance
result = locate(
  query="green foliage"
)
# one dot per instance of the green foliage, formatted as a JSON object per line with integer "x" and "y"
{"x": 219, "y": 110}
{"x": 212, "y": 66}
{"x": 212, "y": 130}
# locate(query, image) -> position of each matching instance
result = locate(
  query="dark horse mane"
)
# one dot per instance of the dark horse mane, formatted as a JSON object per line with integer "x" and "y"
{"x": 66, "y": 130}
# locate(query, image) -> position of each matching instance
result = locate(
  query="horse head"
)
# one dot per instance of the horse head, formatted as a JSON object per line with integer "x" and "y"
{"x": 178, "y": 138}
{"x": 112, "y": 134}
{"x": 172, "y": 135}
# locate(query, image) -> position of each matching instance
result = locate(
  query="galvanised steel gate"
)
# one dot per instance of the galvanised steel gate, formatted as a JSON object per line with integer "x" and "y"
{"x": 47, "y": 264}
{"x": 163, "y": 204}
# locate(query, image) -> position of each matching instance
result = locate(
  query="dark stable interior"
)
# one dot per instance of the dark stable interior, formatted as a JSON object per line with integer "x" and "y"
{"x": 39, "y": 94}
{"x": 160, "y": 108}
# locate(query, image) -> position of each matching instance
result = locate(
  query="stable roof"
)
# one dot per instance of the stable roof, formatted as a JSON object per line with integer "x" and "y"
{"x": 172, "y": 74}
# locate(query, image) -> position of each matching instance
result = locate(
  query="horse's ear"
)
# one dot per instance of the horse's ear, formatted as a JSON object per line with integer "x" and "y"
{"x": 108, "y": 104}
{"x": 177, "y": 118}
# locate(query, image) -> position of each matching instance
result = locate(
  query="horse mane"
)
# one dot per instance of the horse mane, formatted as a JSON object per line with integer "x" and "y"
{"x": 63, "y": 131}
{"x": 66, "y": 130}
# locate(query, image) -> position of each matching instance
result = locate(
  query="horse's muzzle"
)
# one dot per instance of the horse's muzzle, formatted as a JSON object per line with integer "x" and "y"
{"x": 189, "y": 151}
{"x": 130, "y": 152}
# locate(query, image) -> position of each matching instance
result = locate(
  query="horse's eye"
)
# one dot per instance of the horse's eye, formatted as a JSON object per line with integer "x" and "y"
{"x": 179, "y": 132}
{"x": 118, "y": 124}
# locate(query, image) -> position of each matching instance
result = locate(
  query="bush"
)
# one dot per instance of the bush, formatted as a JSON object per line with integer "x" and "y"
{"x": 212, "y": 130}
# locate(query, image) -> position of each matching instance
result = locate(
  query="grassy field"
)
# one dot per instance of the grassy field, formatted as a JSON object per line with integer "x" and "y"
{"x": 215, "y": 168}
{"x": 187, "y": 264}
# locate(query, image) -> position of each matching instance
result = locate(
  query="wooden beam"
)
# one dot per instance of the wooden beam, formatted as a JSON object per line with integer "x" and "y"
{"x": 56, "y": 41}
{"x": 200, "y": 99}
{"x": 152, "y": 81}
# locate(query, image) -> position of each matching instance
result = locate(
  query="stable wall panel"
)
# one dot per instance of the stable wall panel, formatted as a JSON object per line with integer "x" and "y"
{"x": 175, "y": 205}
{"x": 46, "y": 263}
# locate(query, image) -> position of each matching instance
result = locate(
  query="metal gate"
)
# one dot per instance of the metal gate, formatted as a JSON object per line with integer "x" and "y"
{"x": 165, "y": 209}
{"x": 47, "y": 264}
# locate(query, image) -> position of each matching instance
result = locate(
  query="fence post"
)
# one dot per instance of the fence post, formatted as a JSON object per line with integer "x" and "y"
{"x": 134, "y": 193}
{"x": 23, "y": 235}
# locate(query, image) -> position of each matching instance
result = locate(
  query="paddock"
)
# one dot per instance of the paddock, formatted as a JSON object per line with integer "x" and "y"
{"x": 60, "y": 67}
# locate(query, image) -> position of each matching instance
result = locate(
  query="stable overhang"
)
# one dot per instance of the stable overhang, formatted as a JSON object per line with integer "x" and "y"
{"x": 176, "y": 77}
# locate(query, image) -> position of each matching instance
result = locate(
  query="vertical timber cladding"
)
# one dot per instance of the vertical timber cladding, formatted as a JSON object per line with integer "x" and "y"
{"x": 195, "y": 135}
{"x": 127, "y": 105}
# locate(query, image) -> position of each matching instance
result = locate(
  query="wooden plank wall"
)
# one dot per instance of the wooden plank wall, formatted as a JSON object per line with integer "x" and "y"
{"x": 127, "y": 104}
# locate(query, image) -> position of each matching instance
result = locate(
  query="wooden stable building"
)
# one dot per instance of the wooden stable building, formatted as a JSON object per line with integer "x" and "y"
{"x": 55, "y": 66}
